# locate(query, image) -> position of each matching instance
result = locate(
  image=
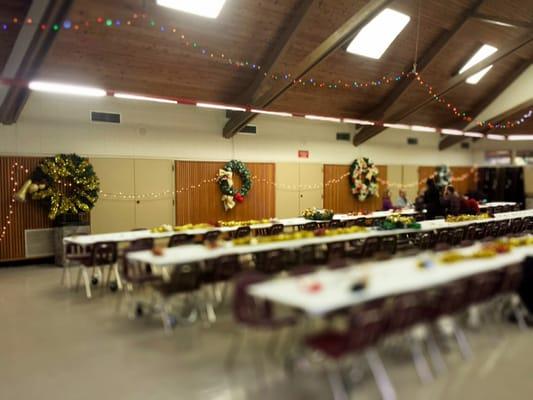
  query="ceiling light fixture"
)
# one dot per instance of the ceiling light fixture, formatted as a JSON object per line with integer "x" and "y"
{"x": 396, "y": 126}
{"x": 520, "y": 137}
{"x": 357, "y": 121}
{"x": 220, "y": 107}
{"x": 455, "y": 132}
{"x": 420, "y": 128}
{"x": 482, "y": 53}
{"x": 320, "y": 118}
{"x": 143, "y": 98}
{"x": 277, "y": 113}
{"x": 61, "y": 88}
{"x": 204, "y": 8}
{"x": 376, "y": 36}
{"x": 492, "y": 136}
{"x": 474, "y": 134}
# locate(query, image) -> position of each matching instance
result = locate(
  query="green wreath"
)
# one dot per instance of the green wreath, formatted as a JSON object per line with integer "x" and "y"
{"x": 68, "y": 184}
{"x": 230, "y": 195}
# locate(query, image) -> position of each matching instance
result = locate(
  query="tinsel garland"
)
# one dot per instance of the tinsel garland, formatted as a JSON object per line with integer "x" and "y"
{"x": 72, "y": 173}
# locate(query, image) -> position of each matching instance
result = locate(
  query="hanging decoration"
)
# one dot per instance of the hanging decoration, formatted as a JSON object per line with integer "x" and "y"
{"x": 66, "y": 182}
{"x": 364, "y": 178}
{"x": 442, "y": 176}
{"x": 231, "y": 196}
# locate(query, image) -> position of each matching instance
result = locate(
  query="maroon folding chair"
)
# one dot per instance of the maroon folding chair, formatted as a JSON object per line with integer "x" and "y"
{"x": 179, "y": 239}
{"x": 103, "y": 254}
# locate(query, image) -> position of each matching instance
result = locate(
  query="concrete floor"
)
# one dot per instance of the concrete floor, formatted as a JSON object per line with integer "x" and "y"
{"x": 55, "y": 344}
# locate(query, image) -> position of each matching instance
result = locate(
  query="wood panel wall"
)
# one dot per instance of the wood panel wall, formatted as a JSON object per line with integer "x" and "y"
{"x": 28, "y": 215}
{"x": 203, "y": 204}
{"x": 461, "y": 187}
{"x": 338, "y": 196}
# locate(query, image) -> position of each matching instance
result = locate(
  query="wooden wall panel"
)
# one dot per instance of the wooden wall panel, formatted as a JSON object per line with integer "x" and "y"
{"x": 203, "y": 204}
{"x": 28, "y": 215}
{"x": 339, "y": 197}
{"x": 462, "y": 187}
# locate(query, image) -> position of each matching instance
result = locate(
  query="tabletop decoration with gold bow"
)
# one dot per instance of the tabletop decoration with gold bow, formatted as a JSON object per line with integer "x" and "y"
{"x": 230, "y": 195}
{"x": 66, "y": 182}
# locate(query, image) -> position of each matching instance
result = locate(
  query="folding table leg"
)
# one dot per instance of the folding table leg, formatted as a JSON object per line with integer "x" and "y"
{"x": 380, "y": 375}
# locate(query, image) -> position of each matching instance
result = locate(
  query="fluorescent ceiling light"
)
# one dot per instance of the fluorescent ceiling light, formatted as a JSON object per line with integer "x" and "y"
{"x": 61, "y": 88}
{"x": 319, "y": 118}
{"x": 483, "y": 52}
{"x": 396, "y": 126}
{"x": 455, "y": 132}
{"x": 474, "y": 134}
{"x": 378, "y": 34}
{"x": 357, "y": 121}
{"x": 423, "y": 128}
{"x": 143, "y": 98}
{"x": 278, "y": 113}
{"x": 520, "y": 137}
{"x": 220, "y": 107}
{"x": 204, "y": 8}
{"x": 492, "y": 136}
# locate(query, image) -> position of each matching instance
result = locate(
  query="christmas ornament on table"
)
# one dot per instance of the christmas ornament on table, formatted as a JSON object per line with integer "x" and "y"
{"x": 231, "y": 196}
{"x": 364, "y": 179}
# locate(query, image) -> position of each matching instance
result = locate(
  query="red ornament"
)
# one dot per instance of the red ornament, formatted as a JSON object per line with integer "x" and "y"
{"x": 239, "y": 198}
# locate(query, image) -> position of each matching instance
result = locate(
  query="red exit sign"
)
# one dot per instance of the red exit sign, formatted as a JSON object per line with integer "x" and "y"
{"x": 303, "y": 153}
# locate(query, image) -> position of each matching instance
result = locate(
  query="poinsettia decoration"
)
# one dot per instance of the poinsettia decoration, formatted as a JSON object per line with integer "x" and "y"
{"x": 364, "y": 179}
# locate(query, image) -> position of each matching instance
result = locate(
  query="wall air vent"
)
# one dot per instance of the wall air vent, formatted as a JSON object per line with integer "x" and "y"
{"x": 465, "y": 145}
{"x": 343, "y": 136}
{"x": 39, "y": 242}
{"x": 249, "y": 130}
{"x": 412, "y": 141}
{"x": 111, "y": 118}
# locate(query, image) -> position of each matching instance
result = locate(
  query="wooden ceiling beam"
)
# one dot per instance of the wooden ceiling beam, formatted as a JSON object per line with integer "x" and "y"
{"x": 429, "y": 55}
{"x": 502, "y": 21}
{"x": 454, "y": 82}
{"x": 337, "y": 39}
{"x": 449, "y": 140}
{"x": 28, "y": 53}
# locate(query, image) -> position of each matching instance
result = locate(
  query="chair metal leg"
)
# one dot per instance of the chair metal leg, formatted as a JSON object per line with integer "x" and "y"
{"x": 421, "y": 365}
{"x": 464, "y": 346}
{"x": 87, "y": 282}
{"x": 117, "y": 276}
{"x": 336, "y": 384}
{"x": 65, "y": 275}
{"x": 381, "y": 377}
{"x": 435, "y": 354}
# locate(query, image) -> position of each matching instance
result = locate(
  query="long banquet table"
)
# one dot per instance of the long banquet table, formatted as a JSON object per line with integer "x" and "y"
{"x": 198, "y": 252}
{"x": 384, "y": 278}
{"x": 129, "y": 236}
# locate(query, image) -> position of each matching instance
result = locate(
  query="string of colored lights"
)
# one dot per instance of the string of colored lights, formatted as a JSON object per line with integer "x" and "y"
{"x": 13, "y": 188}
{"x": 463, "y": 115}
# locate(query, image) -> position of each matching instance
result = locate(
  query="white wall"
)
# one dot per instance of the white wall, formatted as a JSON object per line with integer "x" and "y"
{"x": 52, "y": 124}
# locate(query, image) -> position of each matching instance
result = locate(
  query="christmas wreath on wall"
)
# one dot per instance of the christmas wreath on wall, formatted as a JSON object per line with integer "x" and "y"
{"x": 364, "y": 178}
{"x": 230, "y": 195}
{"x": 67, "y": 183}
{"x": 443, "y": 176}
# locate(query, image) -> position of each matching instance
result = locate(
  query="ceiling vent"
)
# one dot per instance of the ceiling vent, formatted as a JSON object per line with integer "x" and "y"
{"x": 343, "y": 136}
{"x": 111, "y": 118}
{"x": 412, "y": 141}
{"x": 465, "y": 145}
{"x": 249, "y": 130}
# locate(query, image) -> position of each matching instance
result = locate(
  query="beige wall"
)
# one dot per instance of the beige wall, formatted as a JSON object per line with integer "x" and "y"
{"x": 51, "y": 124}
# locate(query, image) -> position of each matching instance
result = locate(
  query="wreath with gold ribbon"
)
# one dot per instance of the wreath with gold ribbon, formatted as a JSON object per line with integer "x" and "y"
{"x": 68, "y": 184}
{"x": 364, "y": 178}
{"x": 230, "y": 195}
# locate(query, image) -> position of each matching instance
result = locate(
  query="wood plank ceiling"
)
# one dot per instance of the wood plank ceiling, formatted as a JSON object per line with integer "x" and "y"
{"x": 142, "y": 59}
{"x": 10, "y": 9}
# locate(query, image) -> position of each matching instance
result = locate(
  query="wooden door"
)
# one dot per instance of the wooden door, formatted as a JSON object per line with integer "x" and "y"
{"x": 287, "y": 193}
{"x": 114, "y": 213}
{"x": 310, "y": 177}
{"x": 154, "y": 178}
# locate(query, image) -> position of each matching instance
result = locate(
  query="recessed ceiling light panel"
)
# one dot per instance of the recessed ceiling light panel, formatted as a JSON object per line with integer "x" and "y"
{"x": 483, "y": 52}
{"x": 376, "y": 36}
{"x": 62, "y": 88}
{"x": 204, "y": 8}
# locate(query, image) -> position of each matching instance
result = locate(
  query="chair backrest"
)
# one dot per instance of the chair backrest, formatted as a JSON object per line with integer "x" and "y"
{"x": 483, "y": 286}
{"x": 226, "y": 267}
{"x": 443, "y": 236}
{"x": 366, "y": 326}
{"x": 334, "y": 223}
{"x": 456, "y": 236}
{"x": 276, "y": 229}
{"x": 309, "y": 226}
{"x": 516, "y": 225}
{"x": 242, "y": 231}
{"x": 302, "y": 270}
{"x": 179, "y": 239}
{"x": 355, "y": 222}
{"x": 388, "y": 244}
{"x": 407, "y": 310}
{"x": 211, "y": 236}
{"x": 503, "y": 227}
{"x": 270, "y": 262}
{"x": 370, "y": 247}
{"x": 185, "y": 278}
{"x": 452, "y": 297}
{"x": 73, "y": 249}
{"x": 247, "y": 309}
{"x": 104, "y": 253}
{"x": 470, "y": 232}
{"x": 499, "y": 209}
{"x": 307, "y": 255}
{"x": 132, "y": 271}
{"x": 512, "y": 278}
{"x": 143, "y": 243}
{"x": 426, "y": 241}
{"x": 336, "y": 250}
{"x": 516, "y": 207}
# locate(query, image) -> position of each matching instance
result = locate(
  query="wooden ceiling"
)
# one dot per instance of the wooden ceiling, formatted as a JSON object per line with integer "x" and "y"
{"x": 142, "y": 59}
{"x": 10, "y": 9}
